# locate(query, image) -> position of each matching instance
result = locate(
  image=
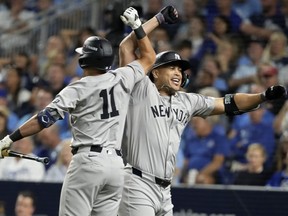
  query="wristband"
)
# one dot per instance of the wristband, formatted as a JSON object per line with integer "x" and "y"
{"x": 263, "y": 97}
{"x": 160, "y": 18}
{"x": 16, "y": 135}
{"x": 140, "y": 33}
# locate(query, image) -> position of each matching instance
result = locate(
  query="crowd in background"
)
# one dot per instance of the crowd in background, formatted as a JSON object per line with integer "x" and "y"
{"x": 232, "y": 45}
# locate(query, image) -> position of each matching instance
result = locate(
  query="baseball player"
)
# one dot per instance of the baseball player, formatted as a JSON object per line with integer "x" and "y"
{"x": 97, "y": 104}
{"x": 157, "y": 115}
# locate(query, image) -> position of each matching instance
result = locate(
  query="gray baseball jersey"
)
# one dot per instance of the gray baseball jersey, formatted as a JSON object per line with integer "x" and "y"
{"x": 97, "y": 106}
{"x": 151, "y": 141}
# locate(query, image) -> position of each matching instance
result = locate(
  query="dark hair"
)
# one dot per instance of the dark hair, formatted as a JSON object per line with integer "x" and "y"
{"x": 29, "y": 194}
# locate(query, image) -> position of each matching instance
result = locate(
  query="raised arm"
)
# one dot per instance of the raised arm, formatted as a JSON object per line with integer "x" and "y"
{"x": 129, "y": 44}
{"x": 235, "y": 104}
{"x": 147, "y": 54}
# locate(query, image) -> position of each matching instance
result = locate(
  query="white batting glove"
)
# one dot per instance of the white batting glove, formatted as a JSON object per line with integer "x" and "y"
{"x": 5, "y": 144}
{"x": 131, "y": 18}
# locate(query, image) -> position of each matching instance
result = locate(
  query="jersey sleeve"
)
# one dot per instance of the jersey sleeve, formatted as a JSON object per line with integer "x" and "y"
{"x": 130, "y": 74}
{"x": 200, "y": 105}
{"x": 65, "y": 100}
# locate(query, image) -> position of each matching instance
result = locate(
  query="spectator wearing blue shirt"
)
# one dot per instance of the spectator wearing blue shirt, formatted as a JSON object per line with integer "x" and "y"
{"x": 256, "y": 130}
{"x": 263, "y": 24}
{"x": 224, "y": 7}
{"x": 204, "y": 150}
{"x": 280, "y": 177}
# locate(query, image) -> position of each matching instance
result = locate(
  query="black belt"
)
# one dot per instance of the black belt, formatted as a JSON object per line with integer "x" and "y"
{"x": 162, "y": 182}
{"x": 94, "y": 148}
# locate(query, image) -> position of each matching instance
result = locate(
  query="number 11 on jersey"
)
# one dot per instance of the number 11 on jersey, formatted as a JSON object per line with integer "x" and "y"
{"x": 106, "y": 103}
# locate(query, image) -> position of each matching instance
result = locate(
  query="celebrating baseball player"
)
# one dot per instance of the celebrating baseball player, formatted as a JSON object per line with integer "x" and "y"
{"x": 157, "y": 115}
{"x": 97, "y": 104}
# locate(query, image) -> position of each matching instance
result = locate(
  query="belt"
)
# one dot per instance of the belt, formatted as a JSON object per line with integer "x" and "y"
{"x": 94, "y": 148}
{"x": 162, "y": 182}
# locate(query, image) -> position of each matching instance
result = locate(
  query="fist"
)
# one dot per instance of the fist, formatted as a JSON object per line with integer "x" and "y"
{"x": 275, "y": 92}
{"x": 4, "y": 144}
{"x": 168, "y": 15}
{"x": 131, "y": 18}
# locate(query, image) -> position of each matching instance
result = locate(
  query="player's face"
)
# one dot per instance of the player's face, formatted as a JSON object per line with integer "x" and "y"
{"x": 170, "y": 76}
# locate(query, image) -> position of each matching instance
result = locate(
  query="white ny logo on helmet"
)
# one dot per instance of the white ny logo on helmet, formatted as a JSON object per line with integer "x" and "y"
{"x": 177, "y": 56}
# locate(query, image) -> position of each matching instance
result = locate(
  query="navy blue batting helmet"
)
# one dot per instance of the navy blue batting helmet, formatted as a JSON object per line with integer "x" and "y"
{"x": 170, "y": 57}
{"x": 96, "y": 53}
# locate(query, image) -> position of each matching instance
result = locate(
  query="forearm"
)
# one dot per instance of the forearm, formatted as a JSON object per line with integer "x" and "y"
{"x": 30, "y": 127}
{"x": 129, "y": 45}
{"x": 247, "y": 101}
{"x": 214, "y": 166}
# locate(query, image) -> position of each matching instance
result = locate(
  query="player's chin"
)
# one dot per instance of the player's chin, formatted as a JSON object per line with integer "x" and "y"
{"x": 175, "y": 87}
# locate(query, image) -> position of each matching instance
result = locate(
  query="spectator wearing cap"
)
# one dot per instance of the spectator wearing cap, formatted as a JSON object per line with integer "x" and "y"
{"x": 268, "y": 76}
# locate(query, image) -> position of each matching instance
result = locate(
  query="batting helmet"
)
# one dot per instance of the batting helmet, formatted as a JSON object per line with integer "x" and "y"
{"x": 170, "y": 57}
{"x": 96, "y": 53}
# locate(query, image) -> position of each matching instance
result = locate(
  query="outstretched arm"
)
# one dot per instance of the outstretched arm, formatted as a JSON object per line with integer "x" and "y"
{"x": 239, "y": 103}
{"x": 129, "y": 44}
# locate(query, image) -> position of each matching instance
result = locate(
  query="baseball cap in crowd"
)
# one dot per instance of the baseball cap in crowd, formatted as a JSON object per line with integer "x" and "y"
{"x": 269, "y": 71}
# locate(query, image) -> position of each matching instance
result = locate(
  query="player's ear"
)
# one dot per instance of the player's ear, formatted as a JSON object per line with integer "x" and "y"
{"x": 155, "y": 73}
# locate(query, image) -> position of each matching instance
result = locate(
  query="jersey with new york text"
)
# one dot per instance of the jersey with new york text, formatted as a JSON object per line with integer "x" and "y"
{"x": 154, "y": 126}
{"x": 98, "y": 105}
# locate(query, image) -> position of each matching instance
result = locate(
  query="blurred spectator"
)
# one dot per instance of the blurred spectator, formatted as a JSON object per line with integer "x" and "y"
{"x": 17, "y": 96}
{"x": 212, "y": 65}
{"x": 224, "y": 8}
{"x": 246, "y": 74}
{"x": 189, "y": 9}
{"x": 280, "y": 177}
{"x": 245, "y": 8}
{"x": 268, "y": 76}
{"x": 22, "y": 61}
{"x": 254, "y": 172}
{"x": 280, "y": 123}
{"x": 194, "y": 30}
{"x": 160, "y": 39}
{"x": 25, "y": 204}
{"x": 12, "y": 117}
{"x": 153, "y": 7}
{"x": 254, "y": 130}
{"x": 55, "y": 76}
{"x": 55, "y": 44}
{"x": 4, "y": 113}
{"x": 57, "y": 171}
{"x": 263, "y": 24}
{"x": 49, "y": 144}
{"x": 204, "y": 150}
{"x": 19, "y": 169}
{"x": 276, "y": 50}
{"x": 14, "y": 19}
{"x": 227, "y": 55}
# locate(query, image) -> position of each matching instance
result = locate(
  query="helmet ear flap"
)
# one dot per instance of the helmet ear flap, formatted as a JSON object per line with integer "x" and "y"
{"x": 185, "y": 80}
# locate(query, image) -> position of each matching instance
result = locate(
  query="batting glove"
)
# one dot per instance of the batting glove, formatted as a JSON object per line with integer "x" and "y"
{"x": 131, "y": 18}
{"x": 274, "y": 92}
{"x": 168, "y": 15}
{"x": 5, "y": 144}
